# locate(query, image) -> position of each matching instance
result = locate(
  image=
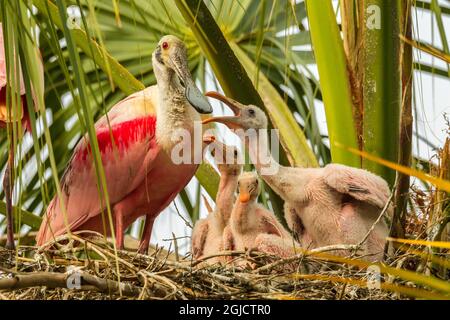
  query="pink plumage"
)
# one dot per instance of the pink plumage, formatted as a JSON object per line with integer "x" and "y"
{"x": 135, "y": 147}
{"x": 4, "y": 113}
{"x": 141, "y": 178}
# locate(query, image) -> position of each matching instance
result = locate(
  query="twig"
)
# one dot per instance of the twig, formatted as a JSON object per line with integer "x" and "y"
{"x": 177, "y": 257}
{"x": 222, "y": 254}
{"x": 304, "y": 253}
{"x": 3, "y": 297}
{"x": 383, "y": 212}
{"x": 336, "y": 247}
{"x": 182, "y": 218}
{"x": 60, "y": 280}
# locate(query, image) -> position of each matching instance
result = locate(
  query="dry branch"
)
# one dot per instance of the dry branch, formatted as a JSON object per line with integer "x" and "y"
{"x": 54, "y": 280}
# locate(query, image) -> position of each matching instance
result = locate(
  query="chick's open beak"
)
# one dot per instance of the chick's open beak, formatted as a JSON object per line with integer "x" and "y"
{"x": 231, "y": 121}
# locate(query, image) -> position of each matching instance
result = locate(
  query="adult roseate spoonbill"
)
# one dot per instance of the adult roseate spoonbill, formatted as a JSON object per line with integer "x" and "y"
{"x": 326, "y": 206}
{"x": 6, "y": 121}
{"x": 142, "y": 179}
{"x": 207, "y": 233}
{"x": 249, "y": 220}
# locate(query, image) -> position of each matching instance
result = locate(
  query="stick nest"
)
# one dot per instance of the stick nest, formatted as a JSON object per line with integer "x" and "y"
{"x": 74, "y": 268}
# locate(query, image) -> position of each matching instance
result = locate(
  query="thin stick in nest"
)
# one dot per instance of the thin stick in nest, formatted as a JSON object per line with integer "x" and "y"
{"x": 63, "y": 280}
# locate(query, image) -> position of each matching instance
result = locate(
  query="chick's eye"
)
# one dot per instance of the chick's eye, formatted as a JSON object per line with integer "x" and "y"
{"x": 251, "y": 112}
{"x": 235, "y": 153}
{"x": 165, "y": 45}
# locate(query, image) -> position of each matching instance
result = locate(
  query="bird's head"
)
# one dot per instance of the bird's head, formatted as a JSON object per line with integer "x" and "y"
{"x": 228, "y": 158}
{"x": 249, "y": 187}
{"x": 171, "y": 56}
{"x": 245, "y": 116}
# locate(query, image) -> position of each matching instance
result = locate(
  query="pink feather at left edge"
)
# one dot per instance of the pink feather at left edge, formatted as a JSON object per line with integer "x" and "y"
{"x": 4, "y": 113}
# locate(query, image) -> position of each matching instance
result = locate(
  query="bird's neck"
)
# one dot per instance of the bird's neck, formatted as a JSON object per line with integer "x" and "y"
{"x": 225, "y": 197}
{"x": 242, "y": 216}
{"x": 268, "y": 168}
{"x": 261, "y": 155}
{"x": 173, "y": 110}
{"x": 280, "y": 178}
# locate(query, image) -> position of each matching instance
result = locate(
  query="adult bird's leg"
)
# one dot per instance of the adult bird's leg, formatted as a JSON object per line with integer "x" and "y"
{"x": 7, "y": 186}
{"x": 119, "y": 229}
{"x": 145, "y": 239}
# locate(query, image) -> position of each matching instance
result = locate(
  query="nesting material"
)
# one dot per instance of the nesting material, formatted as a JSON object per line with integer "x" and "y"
{"x": 94, "y": 270}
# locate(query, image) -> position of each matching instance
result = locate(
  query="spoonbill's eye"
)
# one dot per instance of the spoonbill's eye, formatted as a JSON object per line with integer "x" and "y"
{"x": 251, "y": 112}
{"x": 165, "y": 45}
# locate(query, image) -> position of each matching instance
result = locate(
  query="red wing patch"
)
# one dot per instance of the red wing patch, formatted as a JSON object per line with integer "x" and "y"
{"x": 120, "y": 136}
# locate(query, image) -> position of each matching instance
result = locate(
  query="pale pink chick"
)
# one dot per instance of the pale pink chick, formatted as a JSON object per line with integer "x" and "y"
{"x": 208, "y": 233}
{"x": 253, "y": 227}
{"x": 324, "y": 206}
{"x": 340, "y": 205}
